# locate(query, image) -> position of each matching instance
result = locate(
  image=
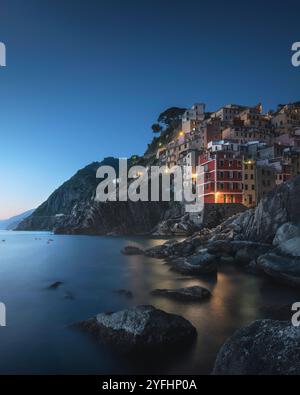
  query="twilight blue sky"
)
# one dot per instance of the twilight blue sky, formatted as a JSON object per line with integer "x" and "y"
{"x": 87, "y": 78}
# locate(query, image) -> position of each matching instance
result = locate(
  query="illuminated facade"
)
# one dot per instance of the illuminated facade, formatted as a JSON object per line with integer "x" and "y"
{"x": 222, "y": 177}
{"x": 249, "y": 183}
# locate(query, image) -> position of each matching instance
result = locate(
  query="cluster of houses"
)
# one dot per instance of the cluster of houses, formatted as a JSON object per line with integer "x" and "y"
{"x": 244, "y": 152}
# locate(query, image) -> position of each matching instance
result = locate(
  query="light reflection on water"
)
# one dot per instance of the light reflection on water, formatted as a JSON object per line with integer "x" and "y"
{"x": 38, "y": 339}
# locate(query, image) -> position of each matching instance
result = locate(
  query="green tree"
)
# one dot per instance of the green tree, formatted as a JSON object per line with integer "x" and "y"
{"x": 171, "y": 116}
{"x": 156, "y": 128}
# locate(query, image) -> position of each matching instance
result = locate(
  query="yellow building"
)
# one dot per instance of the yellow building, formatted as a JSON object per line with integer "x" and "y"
{"x": 249, "y": 183}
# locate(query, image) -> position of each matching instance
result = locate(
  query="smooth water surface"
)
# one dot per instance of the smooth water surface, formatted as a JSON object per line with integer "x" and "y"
{"x": 38, "y": 338}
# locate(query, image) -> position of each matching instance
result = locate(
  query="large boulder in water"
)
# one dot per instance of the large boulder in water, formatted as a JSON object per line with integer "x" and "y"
{"x": 202, "y": 263}
{"x": 282, "y": 268}
{"x": 264, "y": 347}
{"x": 140, "y": 328}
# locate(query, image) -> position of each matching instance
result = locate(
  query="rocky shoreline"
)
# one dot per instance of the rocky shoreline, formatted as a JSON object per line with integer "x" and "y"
{"x": 264, "y": 241}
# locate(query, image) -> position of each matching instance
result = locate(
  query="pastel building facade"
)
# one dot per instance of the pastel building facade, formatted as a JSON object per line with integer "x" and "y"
{"x": 193, "y": 117}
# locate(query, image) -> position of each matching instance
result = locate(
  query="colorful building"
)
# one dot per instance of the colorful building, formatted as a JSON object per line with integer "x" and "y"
{"x": 193, "y": 117}
{"x": 265, "y": 180}
{"x": 222, "y": 177}
{"x": 249, "y": 183}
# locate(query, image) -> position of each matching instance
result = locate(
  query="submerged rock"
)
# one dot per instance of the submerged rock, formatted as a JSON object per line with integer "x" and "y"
{"x": 55, "y": 285}
{"x": 264, "y": 347}
{"x": 132, "y": 250}
{"x": 124, "y": 292}
{"x": 68, "y": 295}
{"x": 195, "y": 293}
{"x": 140, "y": 328}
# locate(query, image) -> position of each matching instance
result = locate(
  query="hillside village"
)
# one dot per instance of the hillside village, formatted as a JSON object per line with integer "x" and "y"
{"x": 245, "y": 152}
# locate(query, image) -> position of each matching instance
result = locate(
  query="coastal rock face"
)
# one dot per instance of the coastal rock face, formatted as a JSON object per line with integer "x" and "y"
{"x": 140, "y": 328}
{"x": 216, "y": 213}
{"x": 71, "y": 209}
{"x": 175, "y": 222}
{"x": 189, "y": 294}
{"x": 265, "y": 239}
{"x": 264, "y": 347}
{"x": 280, "y": 206}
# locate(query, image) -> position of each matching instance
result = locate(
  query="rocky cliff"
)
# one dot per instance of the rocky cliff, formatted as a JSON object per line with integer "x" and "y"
{"x": 13, "y": 222}
{"x": 261, "y": 224}
{"x": 72, "y": 209}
